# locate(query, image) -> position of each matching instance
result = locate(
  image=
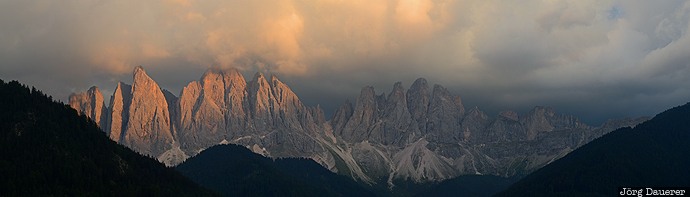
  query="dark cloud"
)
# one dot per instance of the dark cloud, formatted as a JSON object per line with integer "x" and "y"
{"x": 593, "y": 59}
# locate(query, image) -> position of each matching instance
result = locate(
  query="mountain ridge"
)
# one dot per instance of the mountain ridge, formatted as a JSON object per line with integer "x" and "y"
{"x": 423, "y": 133}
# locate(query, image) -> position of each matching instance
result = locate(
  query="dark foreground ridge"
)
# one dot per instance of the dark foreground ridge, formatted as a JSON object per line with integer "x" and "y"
{"x": 234, "y": 170}
{"x": 48, "y": 149}
{"x": 653, "y": 154}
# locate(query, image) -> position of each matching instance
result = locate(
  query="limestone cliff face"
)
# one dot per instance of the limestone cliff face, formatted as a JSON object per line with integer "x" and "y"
{"x": 445, "y": 113}
{"x": 262, "y": 114}
{"x": 341, "y": 117}
{"x": 91, "y": 104}
{"x": 119, "y": 111}
{"x": 422, "y": 134}
{"x": 147, "y": 128}
{"x": 203, "y": 109}
{"x": 426, "y": 134}
{"x": 364, "y": 117}
{"x": 139, "y": 116}
{"x": 473, "y": 126}
{"x": 280, "y": 122}
{"x": 418, "y": 98}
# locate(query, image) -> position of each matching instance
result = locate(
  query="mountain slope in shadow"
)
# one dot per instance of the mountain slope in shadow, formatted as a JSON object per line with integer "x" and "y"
{"x": 233, "y": 170}
{"x": 49, "y": 150}
{"x": 653, "y": 154}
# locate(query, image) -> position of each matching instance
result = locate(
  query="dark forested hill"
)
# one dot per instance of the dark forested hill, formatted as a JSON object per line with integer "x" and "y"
{"x": 469, "y": 185}
{"x": 653, "y": 154}
{"x": 236, "y": 171}
{"x": 47, "y": 149}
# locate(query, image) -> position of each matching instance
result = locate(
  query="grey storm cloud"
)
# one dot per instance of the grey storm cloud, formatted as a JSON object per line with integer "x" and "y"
{"x": 593, "y": 59}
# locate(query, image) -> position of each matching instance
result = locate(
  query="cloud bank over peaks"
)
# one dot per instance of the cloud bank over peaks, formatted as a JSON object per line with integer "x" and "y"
{"x": 618, "y": 58}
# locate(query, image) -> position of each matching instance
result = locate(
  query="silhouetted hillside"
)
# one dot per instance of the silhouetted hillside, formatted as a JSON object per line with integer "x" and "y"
{"x": 48, "y": 149}
{"x": 469, "y": 185}
{"x": 236, "y": 171}
{"x": 653, "y": 154}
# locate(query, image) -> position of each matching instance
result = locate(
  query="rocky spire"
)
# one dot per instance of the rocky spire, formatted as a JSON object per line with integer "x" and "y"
{"x": 444, "y": 116}
{"x": 148, "y": 126}
{"x": 119, "y": 111}
{"x": 537, "y": 121}
{"x": 186, "y": 104}
{"x": 341, "y": 117}
{"x": 287, "y": 105}
{"x": 202, "y": 112}
{"x": 398, "y": 122}
{"x": 261, "y": 102}
{"x": 236, "y": 102}
{"x": 212, "y": 109}
{"x": 91, "y": 104}
{"x": 364, "y": 116}
{"x": 474, "y": 126}
{"x": 418, "y": 102}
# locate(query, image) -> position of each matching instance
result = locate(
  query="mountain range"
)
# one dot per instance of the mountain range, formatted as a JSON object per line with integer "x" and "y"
{"x": 421, "y": 134}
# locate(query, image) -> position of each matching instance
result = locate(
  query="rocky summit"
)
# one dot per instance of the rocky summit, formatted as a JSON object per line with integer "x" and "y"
{"x": 421, "y": 134}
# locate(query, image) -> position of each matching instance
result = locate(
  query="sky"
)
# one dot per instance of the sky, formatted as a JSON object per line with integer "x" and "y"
{"x": 593, "y": 59}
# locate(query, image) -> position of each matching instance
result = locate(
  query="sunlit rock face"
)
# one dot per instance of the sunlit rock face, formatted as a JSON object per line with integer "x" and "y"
{"x": 203, "y": 109}
{"x": 91, "y": 104}
{"x": 422, "y": 134}
{"x": 148, "y": 129}
{"x": 119, "y": 111}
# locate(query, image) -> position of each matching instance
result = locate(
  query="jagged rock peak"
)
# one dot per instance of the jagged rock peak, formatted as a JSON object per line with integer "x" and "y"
{"x": 231, "y": 73}
{"x": 510, "y": 115}
{"x": 119, "y": 108}
{"x": 138, "y": 69}
{"x": 274, "y": 79}
{"x": 148, "y": 128}
{"x": 475, "y": 111}
{"x": 139, "y": 72}
{"x": 341, "y": 116}
{"x": 210, "y": 74}
{"x": 418, "y": 95}
{"x": 441, "y": 95}
{"x": 282, "y": 92}
{"x": 397, "y": 87}
{"x": 367, "y": 92}
{"x": 258, "y": 84}
{"x": 93, "y": 89}
{"x": 418, "y": 98}
{"x": 259, "y": 81}
{"x": 259, "y": 90}
{"x": 420, "y": 82}
{"x": 143, "y": 79}
{"x": 439, "y": 90}
{"x": 258, "y": 77}
{"x": 397, "y": 94}
{"x": 318, "y": 115}
{"x": 213, "y": 85}
{"x": 91, "y": 104}
{"x": 211, "y": 109}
